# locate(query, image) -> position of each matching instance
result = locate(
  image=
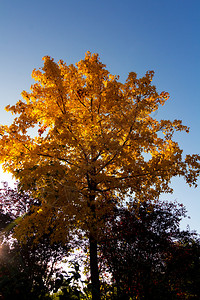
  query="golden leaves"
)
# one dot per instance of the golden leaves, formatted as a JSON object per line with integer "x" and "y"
{"x": 95, "y": 132}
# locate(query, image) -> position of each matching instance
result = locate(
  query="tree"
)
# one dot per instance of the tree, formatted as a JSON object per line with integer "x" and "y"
{"x": 147, "y": 255}
{"x": 182, "y": 272}
{"x": 27, "y": 268}
{"x": 81, "y": 136}
{"x": 137, "y": 248}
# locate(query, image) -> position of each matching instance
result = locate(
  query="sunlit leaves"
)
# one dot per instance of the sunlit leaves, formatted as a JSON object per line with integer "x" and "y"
{"x": 95, "y": 134}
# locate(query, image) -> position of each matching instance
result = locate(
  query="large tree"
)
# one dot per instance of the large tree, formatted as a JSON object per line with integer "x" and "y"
{"x": 81, "y": 137}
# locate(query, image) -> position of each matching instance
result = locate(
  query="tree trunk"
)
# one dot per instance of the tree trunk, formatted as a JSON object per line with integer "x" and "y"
{"x": 94, "y": 269}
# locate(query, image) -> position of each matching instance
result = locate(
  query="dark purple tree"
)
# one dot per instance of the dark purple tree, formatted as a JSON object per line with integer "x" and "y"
{"x": 140, "y": 250}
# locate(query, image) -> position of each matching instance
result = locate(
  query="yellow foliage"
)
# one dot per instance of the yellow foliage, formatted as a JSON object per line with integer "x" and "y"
{"x": 94, "y": 134}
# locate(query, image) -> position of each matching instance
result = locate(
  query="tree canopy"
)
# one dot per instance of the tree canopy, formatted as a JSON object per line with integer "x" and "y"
{"x": 147, "y": 255}
{"x": 82, "y": 137}
{"x": 93, "y": 133}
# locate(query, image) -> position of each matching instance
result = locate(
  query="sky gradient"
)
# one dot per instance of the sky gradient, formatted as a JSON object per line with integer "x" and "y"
{"x": 129, "y": 36}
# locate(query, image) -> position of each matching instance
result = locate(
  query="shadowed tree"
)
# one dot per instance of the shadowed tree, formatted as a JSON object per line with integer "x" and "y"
{"x": 135, "y": 244}
{"x": 26, "y": 269}
{"x": 81, "y": 136}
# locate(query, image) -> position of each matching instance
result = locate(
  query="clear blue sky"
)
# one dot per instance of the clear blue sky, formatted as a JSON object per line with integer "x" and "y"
{"x": 129, "y": 36}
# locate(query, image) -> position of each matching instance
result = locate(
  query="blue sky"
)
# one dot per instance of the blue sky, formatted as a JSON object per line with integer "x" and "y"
{"x": 129, "y": 36}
